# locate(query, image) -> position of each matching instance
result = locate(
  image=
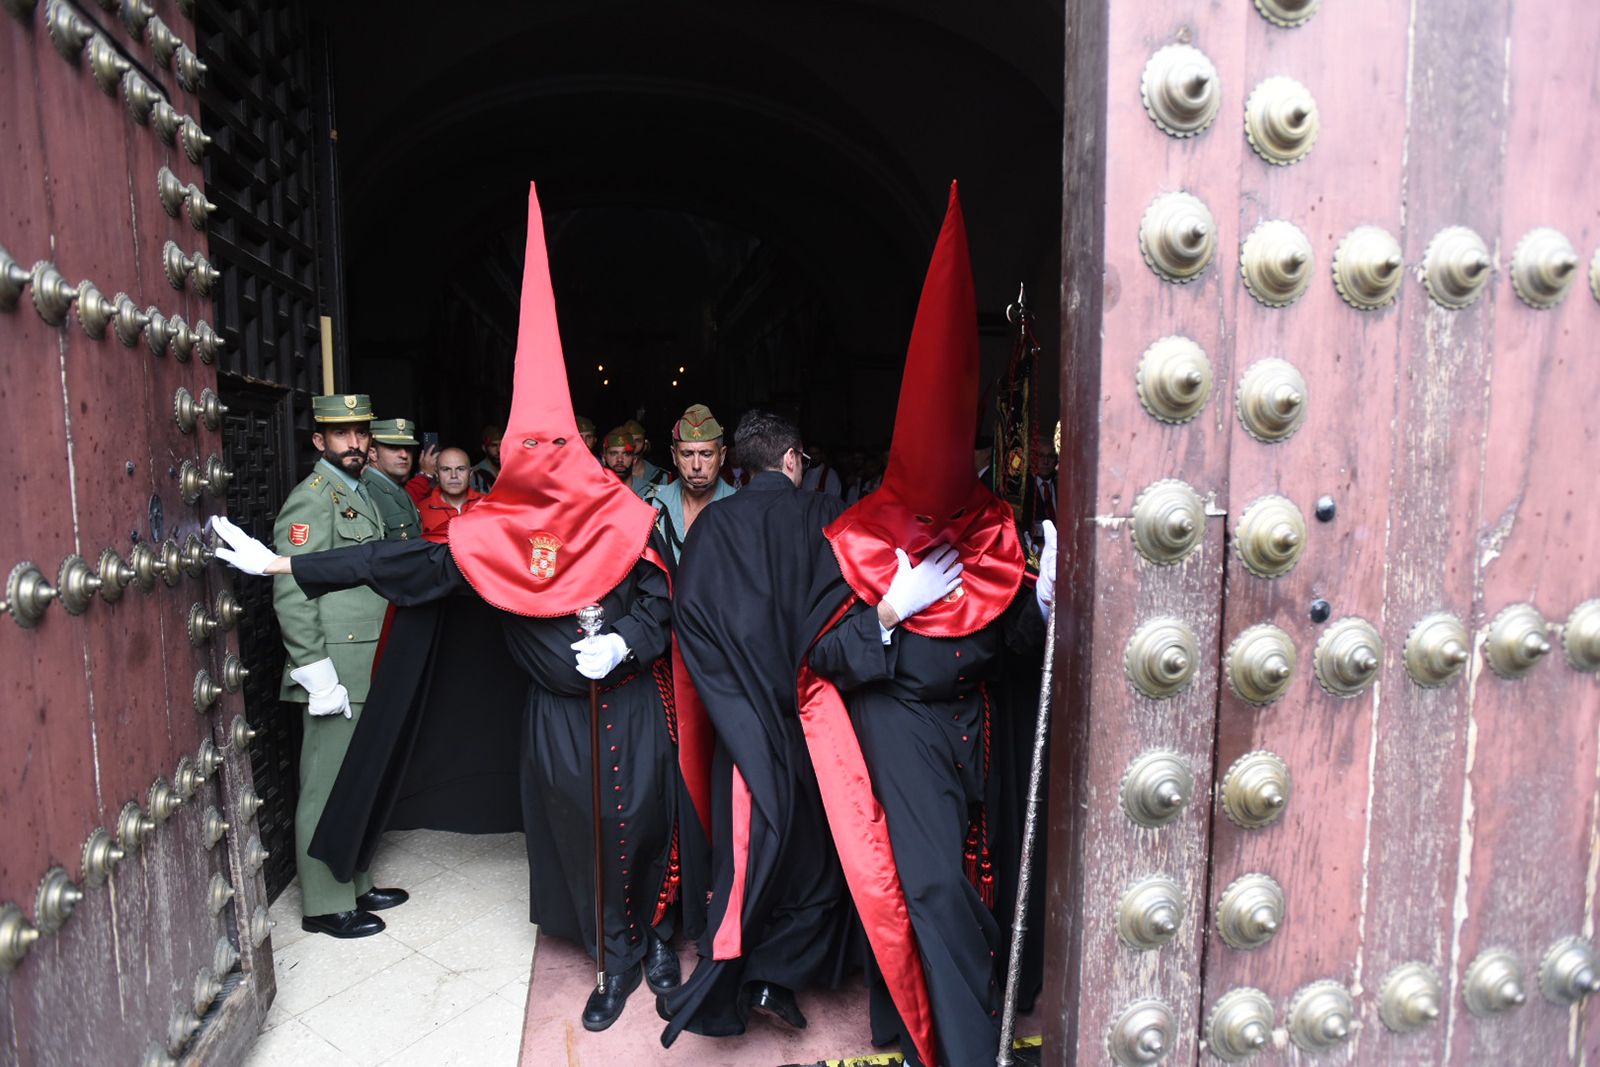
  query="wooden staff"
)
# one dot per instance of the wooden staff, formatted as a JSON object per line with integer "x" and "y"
{"x": 591, "y": 619}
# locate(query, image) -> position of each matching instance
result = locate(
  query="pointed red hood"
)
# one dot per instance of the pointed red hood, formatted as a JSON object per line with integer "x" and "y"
{"x": 930, "y": 492}
{"x": 558, "y": 531}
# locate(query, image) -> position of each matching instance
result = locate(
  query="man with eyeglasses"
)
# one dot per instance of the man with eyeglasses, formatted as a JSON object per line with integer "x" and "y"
{"x": 777, "y": 918}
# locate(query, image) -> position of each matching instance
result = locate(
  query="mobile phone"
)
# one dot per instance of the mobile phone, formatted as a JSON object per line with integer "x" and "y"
{"x": 430, "y": 440}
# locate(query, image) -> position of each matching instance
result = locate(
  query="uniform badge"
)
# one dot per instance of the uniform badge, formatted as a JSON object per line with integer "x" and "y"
{"x": 299, "y": 533}
{"x": 542, "y": 551}
{"x": 348, "y": 512}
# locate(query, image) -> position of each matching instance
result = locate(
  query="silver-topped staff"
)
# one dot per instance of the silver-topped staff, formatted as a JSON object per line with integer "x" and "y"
{"x": 591, "y": 618}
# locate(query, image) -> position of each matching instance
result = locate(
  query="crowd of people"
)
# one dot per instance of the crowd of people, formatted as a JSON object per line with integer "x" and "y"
{"x": 801, "y": 763}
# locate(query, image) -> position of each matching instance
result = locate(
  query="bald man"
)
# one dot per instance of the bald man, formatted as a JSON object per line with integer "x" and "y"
{"x": 450, "y": 497}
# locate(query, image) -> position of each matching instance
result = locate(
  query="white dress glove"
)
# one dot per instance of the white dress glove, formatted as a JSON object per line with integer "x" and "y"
{"x": 914, "y": 588}
{"x": 240, "y": 549}
{"x": 321, "y": 681}
{"x": 599, "y": 655}
{"x": 1044, "y": 591}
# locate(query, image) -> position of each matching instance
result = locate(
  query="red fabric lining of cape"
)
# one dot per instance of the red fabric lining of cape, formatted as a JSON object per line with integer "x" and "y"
{"x": 861, "y": 836}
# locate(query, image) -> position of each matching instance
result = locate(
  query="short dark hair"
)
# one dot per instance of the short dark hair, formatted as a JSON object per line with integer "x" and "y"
{"x": 761, "y": 439}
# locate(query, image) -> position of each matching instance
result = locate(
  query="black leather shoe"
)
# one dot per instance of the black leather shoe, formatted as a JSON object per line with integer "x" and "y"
{"x": 606, "y": 1004}
{"x": 779, "y": 1003}
{"x": 343, "y": 924}
{"x": 378, "y": 899}
{"x": 661, "y": 967}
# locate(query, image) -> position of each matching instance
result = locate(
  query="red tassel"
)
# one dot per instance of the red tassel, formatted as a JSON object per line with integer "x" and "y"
{"x": 969, "y": 856}
{"x": 986, "y": 888}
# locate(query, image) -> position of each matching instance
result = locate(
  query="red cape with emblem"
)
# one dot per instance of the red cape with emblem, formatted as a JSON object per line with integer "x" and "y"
{"x": 559, "y": 531}
{"x": 930, "y": 494}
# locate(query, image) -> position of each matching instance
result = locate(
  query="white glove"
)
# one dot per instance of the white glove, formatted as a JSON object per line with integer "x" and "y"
{"x": 1044, "y": 591}
{"x": 321, "y": 681}
{"x": 240, "y": 549}
{"x": 599, "y": 655}
{"x": 914, "y": 588}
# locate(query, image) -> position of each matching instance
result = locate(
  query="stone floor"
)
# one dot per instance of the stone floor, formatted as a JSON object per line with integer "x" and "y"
{"x": 445, "y": 984}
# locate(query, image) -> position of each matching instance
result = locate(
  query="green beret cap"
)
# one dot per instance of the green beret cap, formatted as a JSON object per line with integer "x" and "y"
{"x": 345, "y": 407}
{"x": 585, "y": 425}
{"x": 619, "y": 438}
{"x": 697, "y": 424}
{"x": 394, "y": 432}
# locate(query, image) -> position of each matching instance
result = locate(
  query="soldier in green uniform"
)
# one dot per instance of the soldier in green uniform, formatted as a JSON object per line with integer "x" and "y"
{"x": 330, "y": 643}
{"x": 388, "y": 467}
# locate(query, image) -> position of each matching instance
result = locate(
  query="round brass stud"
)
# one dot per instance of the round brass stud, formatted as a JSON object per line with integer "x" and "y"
{"x": 1177, "y": 236}
{"x": 1250, "y": 911}
{"x": 1287, "y": 13}
{"x": 218, "y": 893}
{"x": 1437, "y": 649}
{"x": 1260, "y": 664}
{"x": 1456, "y": 267}
{"x": 99, "y": 858}
{"x": 1169, "y": 521}
{"x": 1174, "y": 379}
{"x": 213, "y": 827}
{"x": 95, "y": 312}
{"x": 1160, "y": 658}
{"x": 133, "y": 826}
{"x": 239, "y": 733}
{"x": 1409, "y": 997}
{"x": 1256, "y": 789}
{"x": 1280, "y": 121}
{"x": 1270, "y": 537}
{"x": 260, "y": 925}
{"x": 115, "y": 575}
{"x": 185, "y": 779}
{"x": 1240, "y": 1025}
{"x": 201, "y": 625}
{"x": 1580, "y": 637}
{"x": 162, "y": 801}
{"x": 142, "y": 561}
{"x": 17, "y": 936}
{"x": 1156, "y": 787}
{"x": 1367, "y": 268}
{"x": 1517, "y": 641}
{"x": 76, "y": 585}
{"x": 224, "y": 957}
{"x": 130, "y": 321}
{"x": 1543, "y": 268}
{"x": 227, "y": 610}
{"x": 169, "y": 562}
{"x": 206, "y": 988}
{"x": 106, "y": 64}
{"x": 68, "y": 31}
{"x": 1142, "y": 1034}
{"x": 207, "y": 759}
{"x": 191, "y": 482}
{"x": 1149, "y": 914}
{"x": 13, "y": 276}
{"x": 1569, "y": 971}
{"x": 28, "y": 595}
{"x": 249, "y": 804}
{"x": 181, "y": 1026}
{"x": 56, "y": 898}
{"x": 234, "y": 672}
{"x": 1348, "y": 657}
{"x": 254, "y": 855}
{"x": 1271, "y": 400}
{"x": 1276, "y": 262}
{"x": 195, "y": 555}
{"x": 52, "y": 296}
{"x": 1320, "y": 1016}
{"x": 205, "y": 692}
{"x": 1180, "y": 90}
{"x": 1493, "y": 983}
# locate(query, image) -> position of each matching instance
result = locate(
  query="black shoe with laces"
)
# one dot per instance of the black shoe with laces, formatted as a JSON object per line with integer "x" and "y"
{"x": 606, "y": 1004}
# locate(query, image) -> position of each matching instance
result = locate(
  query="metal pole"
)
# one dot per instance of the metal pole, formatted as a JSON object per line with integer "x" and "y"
{"x": 591, "y": 618}
{"x": 1030, "y": 826}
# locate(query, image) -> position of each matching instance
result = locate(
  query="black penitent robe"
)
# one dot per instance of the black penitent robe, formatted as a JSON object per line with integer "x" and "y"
{"x": 740, "y": 611}
{"x": 641, "y": 787}
{"x": 918, "y": 705}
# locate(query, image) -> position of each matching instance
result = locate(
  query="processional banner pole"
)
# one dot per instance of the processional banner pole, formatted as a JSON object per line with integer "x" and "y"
{"x": 591, "y": 619}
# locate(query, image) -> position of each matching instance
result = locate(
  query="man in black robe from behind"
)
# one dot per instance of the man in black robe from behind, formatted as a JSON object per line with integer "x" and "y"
{"x": 777, "y": 919}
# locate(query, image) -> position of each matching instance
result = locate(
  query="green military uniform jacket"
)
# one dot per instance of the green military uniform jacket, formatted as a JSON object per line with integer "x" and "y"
{"x": 323, "y": 512}
{"x": 401, "y": 520}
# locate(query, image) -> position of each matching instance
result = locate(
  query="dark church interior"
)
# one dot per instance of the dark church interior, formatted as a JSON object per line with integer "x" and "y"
{"x": 740, "y": 198}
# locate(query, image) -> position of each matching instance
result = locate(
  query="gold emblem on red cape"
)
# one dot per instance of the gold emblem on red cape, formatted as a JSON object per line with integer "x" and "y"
{"x": 542, "y": 551}
{"x": 955, "y": 594}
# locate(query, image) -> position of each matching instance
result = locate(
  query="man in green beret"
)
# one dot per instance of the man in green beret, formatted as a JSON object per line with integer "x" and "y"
{"x": 616, "y": 452}
{"x": 697, "y": 453}
{"x": 330, "y": 643}
{"x": 646, "y": 476}
{"x": 587, "y": 431}
{"x": 388, "y": 468}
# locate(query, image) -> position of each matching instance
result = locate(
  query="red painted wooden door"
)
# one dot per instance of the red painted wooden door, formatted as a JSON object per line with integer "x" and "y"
{"x": 118, "y": 703}
{"x": 1380, "y": 634}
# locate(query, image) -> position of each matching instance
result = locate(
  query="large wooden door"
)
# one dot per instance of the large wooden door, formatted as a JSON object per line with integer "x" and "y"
{"x": 121, "y": 721}
{"x": 1328, "y": 685}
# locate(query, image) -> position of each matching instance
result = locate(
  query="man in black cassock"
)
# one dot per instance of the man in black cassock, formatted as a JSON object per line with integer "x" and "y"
{"x": 777, "y": 920}
{"x": 557, "y": 534}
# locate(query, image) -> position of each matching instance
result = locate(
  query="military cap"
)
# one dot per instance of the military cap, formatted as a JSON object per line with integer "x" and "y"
{"x": 348, "y": 407}
{"x": 620, "y": 437}
{"x": 634, "y": 427}
{"x": 394, "y": 432}
{"x": 697, "y": 424}
{"x": 585, "y": 425}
